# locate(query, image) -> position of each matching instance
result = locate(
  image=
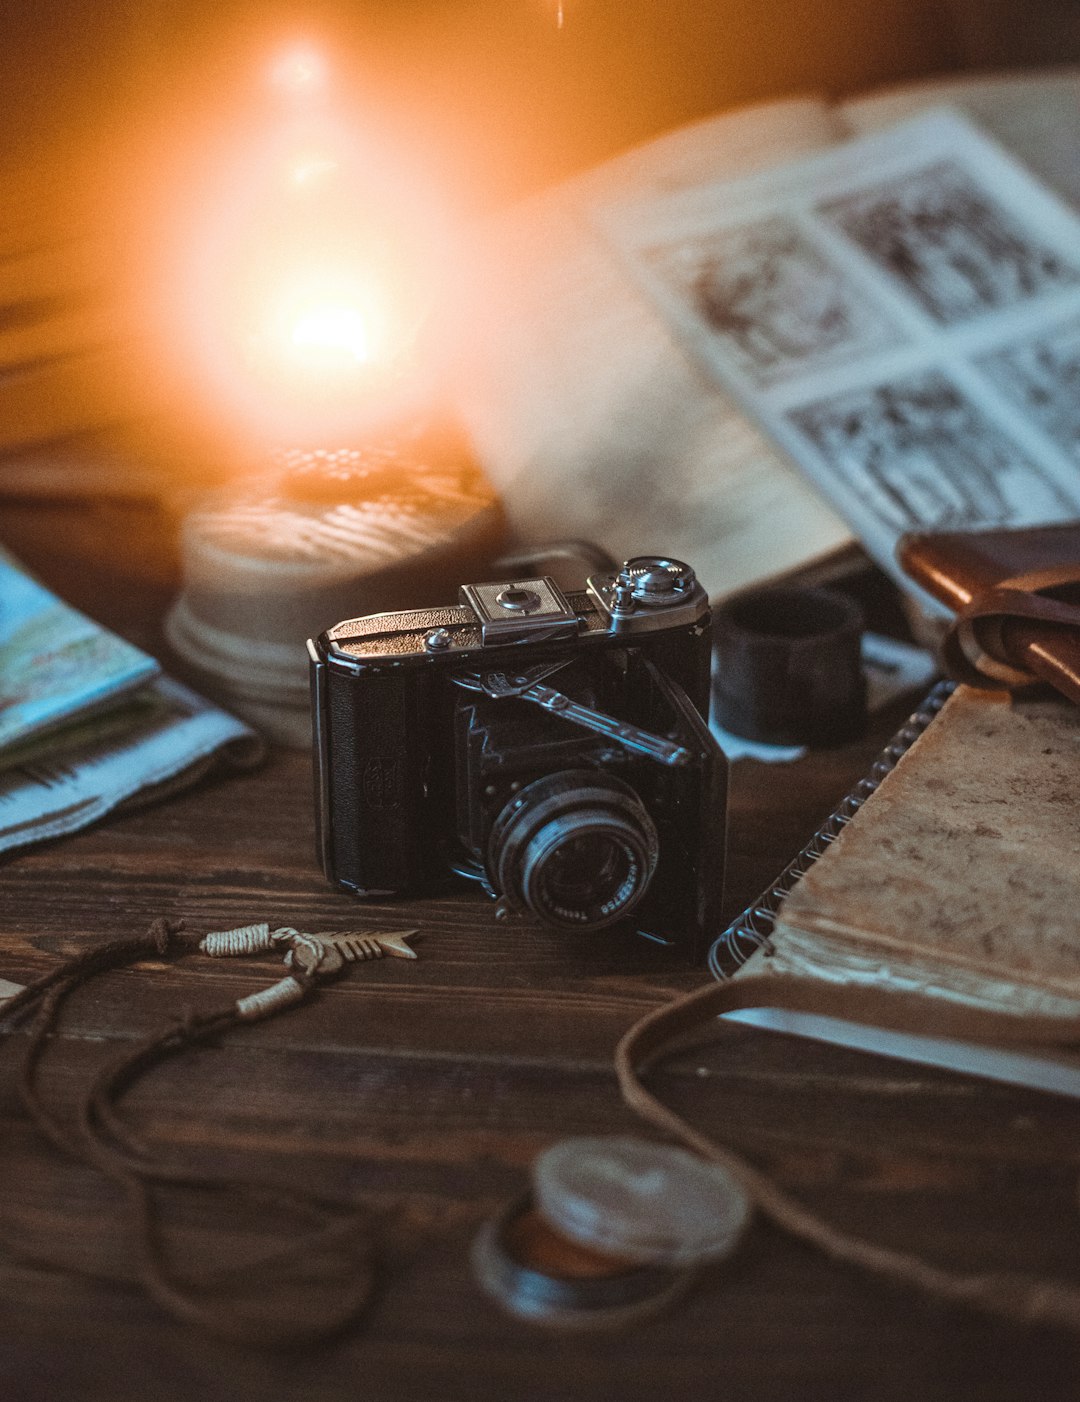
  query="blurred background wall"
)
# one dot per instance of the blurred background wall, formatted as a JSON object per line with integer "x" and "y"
{"x": 498, "y": 91}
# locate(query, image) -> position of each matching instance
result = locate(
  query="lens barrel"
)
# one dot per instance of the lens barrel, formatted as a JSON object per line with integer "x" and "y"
{"x": 576, "y": 848}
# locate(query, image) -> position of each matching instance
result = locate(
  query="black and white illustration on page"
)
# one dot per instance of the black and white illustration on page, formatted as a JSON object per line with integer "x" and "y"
{"x": 770, "y": 302}
{"x": 956, "y": 250}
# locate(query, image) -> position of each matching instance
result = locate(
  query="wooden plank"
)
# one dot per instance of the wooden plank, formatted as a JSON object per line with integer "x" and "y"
{"x": 63, "y": 331}
{"x": 427, "y": 1088}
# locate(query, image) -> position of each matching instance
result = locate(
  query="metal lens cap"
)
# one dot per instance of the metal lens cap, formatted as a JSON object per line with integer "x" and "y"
{"x": 536, "y": 1274}
{"x": 645, "y": 1202}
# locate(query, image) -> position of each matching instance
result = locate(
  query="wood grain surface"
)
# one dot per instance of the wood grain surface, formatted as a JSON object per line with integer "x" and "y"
{"x": 425, "y": 1089}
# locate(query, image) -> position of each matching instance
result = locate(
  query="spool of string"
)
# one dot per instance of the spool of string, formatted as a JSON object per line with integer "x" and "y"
{"x": 398, "y": 521}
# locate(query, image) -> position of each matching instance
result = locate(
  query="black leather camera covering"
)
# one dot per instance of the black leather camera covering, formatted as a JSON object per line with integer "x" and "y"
{"x": 411, "y": 769}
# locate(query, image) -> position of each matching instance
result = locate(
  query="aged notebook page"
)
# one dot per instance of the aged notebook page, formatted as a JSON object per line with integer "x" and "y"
{"x": 960, "y": 877}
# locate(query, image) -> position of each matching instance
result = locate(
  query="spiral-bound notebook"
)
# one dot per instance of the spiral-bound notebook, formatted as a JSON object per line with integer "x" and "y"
{"x": 951, "y": 873}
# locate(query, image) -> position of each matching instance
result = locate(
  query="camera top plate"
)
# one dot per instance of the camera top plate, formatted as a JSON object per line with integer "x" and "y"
{"x": 519, "y": 610}
{"x": 648, "y": 595}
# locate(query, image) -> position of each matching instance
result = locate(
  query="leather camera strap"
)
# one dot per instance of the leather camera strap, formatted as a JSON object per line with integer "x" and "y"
{"x": 978, "y": 650}
{"x": 1008, "y": 1294}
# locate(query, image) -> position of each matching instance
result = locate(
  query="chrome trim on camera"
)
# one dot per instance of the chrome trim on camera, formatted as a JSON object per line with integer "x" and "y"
{"x": 634, "y": 607}
{"x": 521, "y": 610}
{"x": 527, "y": 687}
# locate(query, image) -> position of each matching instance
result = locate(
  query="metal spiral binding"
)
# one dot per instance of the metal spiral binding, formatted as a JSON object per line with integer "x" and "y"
{"x": 753, "y": 928}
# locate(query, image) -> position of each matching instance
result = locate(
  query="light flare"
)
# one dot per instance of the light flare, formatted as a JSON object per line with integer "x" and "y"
{"x": 333, "y": 332}
{"x": 298, "y": 296}
{"x": 310, "y": 168}
{"x": 316, "y": 331}
{"x": 299, "y": 70}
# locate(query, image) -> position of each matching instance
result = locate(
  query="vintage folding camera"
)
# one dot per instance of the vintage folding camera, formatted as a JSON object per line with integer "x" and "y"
{"x": 552, "y": 747}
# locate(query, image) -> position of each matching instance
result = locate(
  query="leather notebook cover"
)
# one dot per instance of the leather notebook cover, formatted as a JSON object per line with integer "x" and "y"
{"x": 960, "y": 568}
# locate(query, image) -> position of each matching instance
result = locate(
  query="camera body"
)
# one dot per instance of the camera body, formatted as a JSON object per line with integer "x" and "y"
{"x": 551, "y": 746}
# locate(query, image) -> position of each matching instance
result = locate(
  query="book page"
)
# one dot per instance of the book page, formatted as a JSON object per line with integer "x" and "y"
{"x": 585, "y": 414}
{"x": 901, "y": 314}
{"x": 1035, "y": 116}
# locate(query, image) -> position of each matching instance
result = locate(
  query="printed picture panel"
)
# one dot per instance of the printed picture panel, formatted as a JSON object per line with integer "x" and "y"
{"x": 956, "y": 250}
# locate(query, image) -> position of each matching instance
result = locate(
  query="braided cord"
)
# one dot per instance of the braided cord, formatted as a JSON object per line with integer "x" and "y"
{"x": 102, "y": 1140}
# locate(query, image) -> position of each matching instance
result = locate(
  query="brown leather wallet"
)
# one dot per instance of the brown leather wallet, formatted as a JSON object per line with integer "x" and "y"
{"x": 1016, "y": 594}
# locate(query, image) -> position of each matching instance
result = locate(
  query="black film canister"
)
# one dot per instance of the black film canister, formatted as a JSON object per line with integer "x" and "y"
{"x": 788, "y": 666}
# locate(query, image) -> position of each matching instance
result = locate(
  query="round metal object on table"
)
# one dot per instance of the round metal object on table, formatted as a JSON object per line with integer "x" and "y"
{"x": 320, "y": 535}
{"x": 789, "y": 666}
{"x": 656, "y": 581}
{"x": 536, "y": 1274}
{"x": 647, "y": 1202}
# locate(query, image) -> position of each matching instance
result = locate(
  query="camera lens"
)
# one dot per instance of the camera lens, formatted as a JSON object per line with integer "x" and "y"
{"x": 576, "y": 848}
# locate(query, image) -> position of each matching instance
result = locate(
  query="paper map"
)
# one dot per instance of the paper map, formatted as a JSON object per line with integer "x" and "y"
{"x": 87, "y": 721}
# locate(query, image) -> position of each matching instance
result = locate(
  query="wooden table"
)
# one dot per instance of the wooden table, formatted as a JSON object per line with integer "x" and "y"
{"x": 426, "y": 1089}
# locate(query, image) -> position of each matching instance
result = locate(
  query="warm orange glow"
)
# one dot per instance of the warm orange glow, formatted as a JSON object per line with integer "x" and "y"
{"x": 310, "y": 167}
{"x": 293, "y": 262}
{"x": 299, "y": 70}
{"x": 316, "y": 319}
{"x": 323, "y": 328}
{"x": 301, "y": 287}
{"x": 334, "y": 331}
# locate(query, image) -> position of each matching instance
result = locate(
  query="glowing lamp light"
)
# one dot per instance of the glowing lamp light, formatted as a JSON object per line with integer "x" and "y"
{"x": 299, "y": 70}
{"x": 313, "y": 265}
{"x": 318, "y": 336}
{"x": 311, "y": 167}
{"x": 332, "y": 333}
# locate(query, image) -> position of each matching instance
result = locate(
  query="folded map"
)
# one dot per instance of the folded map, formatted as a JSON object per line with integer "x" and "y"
{"x": 89, "y": 722}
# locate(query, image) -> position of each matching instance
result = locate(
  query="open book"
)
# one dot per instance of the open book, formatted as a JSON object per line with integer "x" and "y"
{"x": 589, "y": 418}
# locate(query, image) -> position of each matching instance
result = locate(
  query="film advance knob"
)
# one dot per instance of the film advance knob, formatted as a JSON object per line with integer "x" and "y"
{"x": 647, "y": 1202}
{"x": 656, "y": 581}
